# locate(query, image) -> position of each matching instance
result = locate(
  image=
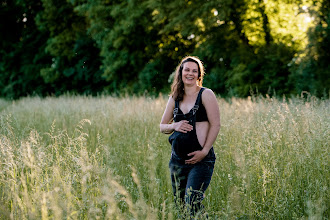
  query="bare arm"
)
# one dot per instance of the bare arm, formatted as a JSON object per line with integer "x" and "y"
{"x": 182, "y": 126}
{"x": 167, "y": 116}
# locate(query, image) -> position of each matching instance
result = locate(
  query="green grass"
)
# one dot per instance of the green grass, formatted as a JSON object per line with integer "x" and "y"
{"x": 104, "y": 158}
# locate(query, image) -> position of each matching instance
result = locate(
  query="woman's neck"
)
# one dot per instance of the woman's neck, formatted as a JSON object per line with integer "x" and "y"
{"x": 191, "y": 90}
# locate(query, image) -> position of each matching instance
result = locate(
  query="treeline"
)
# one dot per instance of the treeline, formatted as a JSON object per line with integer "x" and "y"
{"x": 51, "y": 47}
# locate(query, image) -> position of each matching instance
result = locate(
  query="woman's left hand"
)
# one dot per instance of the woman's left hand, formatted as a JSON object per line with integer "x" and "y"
{"x": 197, "y": 156}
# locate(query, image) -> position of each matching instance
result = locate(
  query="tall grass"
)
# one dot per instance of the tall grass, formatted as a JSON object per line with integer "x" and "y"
{"x": 104, "y": 158}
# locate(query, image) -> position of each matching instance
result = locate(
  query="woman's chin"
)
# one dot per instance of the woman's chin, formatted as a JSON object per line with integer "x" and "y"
{"x": 190, "y": 83}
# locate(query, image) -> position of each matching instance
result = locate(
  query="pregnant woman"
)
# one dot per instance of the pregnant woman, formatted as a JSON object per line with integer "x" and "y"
{"x": 196, "y": 124}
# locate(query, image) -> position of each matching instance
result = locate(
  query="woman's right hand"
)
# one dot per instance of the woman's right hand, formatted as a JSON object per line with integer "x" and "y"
{"x": 182, "y": 126}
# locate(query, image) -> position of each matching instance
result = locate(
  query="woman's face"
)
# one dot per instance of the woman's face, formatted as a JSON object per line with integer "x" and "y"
{"x": 190, "y": 73}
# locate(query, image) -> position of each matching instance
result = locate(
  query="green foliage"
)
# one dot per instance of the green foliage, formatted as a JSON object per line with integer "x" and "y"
{"x": 311, "y": 70}
{"x": 87, "y": 47}
{"x": 76, "y": 62}
{"x": 22, "y": 50}
{"x": 122, "y": 33}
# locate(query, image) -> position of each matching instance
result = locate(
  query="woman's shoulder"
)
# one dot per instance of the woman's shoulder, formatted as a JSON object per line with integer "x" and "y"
{"x": 207, "y": 93}
{"x": 208, "y": 97}
{"x": 171, "y": 101}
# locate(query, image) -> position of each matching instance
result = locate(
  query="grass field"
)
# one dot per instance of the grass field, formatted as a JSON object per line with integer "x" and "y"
{"x": 104, "y": 158}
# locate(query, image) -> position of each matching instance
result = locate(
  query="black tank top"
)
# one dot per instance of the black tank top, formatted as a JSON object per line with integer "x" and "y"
{"x": 201, "y": 112}
{"x": 185, "y": 143}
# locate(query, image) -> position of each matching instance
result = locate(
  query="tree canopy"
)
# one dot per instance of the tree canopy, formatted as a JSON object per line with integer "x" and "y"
{"x": 52, "y": 47}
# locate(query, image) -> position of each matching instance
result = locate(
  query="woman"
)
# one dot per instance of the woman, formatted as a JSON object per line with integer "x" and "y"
{"x": 196, "y": 125}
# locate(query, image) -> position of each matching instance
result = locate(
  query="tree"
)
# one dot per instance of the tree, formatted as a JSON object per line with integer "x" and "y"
{"x": 310, "y": 70}
{"x": 125, "y": 38}
{"x": 22, "y": 49}
{"x": 90, "y": 46}
{"x": 75, "y": 62}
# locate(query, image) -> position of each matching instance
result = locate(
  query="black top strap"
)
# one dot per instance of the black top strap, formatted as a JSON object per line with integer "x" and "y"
{"x": 198, "y": 100}
{"x": 199, "y": 96}
{"x": 176, "y": 104}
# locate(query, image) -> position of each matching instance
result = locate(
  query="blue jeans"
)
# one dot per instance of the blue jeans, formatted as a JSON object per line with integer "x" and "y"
{"x": 189, "y": 181}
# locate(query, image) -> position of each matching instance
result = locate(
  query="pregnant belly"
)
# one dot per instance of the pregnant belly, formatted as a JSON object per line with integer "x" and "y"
{"x": 202, "y": 129}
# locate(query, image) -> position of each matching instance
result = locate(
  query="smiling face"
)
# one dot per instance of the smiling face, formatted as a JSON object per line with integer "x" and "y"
{"x": 190, "y": 73}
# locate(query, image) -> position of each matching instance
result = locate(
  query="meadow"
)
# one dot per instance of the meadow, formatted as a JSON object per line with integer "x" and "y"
{"x": 81, "y": 157}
